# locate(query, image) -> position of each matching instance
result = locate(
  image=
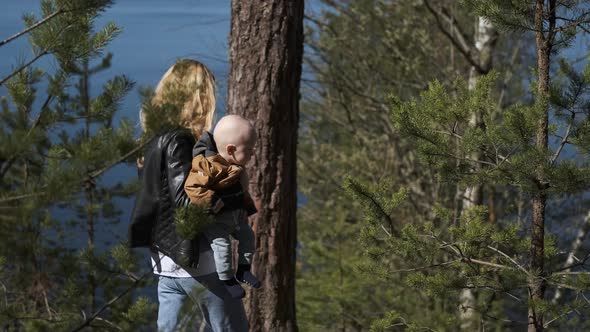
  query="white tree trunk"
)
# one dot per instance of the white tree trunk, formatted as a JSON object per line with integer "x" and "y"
{"x": 571, "y": 257}
{"x": 484, "y": 44}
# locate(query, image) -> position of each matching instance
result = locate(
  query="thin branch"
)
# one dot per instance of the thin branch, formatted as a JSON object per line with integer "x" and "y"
{"x": 91, "y": 175}
{"x": 560, "y": 316}
{"x": 19, "y": 197}
{"x": 88, "y": 320}
{"x": 573, "y": 23}
{"x": 459, "y": 137}
{"x": 378, "y": 206}
{"x": 45, "y": 52}
{"x": 108, "y": 322}
{"x": 457, "y": 39}
{"x": 509, "y": 72}
{"x": 480, "y": 262}
{"x": 121, "y": 159}
{"x": 509, "y": 258}
{"x": 575, "y": 273}
{"x": 32, "y": 27}
{"x": 426, "y": 267}
{"x": 579, "y": 263}
{"x": 564, "y": 139}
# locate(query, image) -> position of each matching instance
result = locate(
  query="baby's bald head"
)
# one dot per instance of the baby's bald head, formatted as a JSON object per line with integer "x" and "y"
{"x": 235, "y": 137}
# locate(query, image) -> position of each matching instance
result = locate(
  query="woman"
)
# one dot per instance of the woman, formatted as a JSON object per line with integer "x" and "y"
{"x": 186, "y": 96}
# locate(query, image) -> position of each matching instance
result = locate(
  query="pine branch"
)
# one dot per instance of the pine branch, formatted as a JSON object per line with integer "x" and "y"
{"x": 563, "y": 315}
{"x": 40, "y": 55}
{"x": 88, "y": 320}
{"x": 4, "y": 167}
{"x": 90, "y": 178}
{"x": 32, "y": 27}
{"x": 358, "y": 190}
{"x": 94, "y": 316}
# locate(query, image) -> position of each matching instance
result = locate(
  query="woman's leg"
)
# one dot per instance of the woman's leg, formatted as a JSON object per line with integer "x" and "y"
{"x": 171, "y": 298}
{"x": 222, "y": 312}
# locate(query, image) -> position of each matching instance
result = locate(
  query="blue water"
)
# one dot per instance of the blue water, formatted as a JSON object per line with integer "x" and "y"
{"x": 154, "y": 35}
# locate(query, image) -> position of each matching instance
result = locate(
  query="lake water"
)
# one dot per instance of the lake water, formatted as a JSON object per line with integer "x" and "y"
{"x": 154, "y": 34}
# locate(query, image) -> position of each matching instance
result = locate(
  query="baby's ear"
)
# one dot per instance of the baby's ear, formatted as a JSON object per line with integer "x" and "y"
{"x": 230, "y": 148}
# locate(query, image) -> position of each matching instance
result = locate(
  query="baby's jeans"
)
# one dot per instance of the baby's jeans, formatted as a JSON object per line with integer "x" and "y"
{"x": 234, "y": 222}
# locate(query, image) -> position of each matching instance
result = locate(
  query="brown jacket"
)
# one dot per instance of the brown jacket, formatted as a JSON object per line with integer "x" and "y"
{"x": 209, "y": 175}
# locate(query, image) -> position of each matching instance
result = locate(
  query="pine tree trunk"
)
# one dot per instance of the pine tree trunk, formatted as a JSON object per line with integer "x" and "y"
{"x": 537, "y": 269}
{"x": 266, "y": 47}
{"x": 485, "y": 40}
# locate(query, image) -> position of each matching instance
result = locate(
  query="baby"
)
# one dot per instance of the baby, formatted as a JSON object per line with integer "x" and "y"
{"x": 219, "y": 181}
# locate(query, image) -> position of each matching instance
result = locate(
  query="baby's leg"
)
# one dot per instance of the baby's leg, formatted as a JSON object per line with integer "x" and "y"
{"x": 218, "y": 236}
{"x": 221, "y": 245}
{"x": 246, "y": 247}
{"x": 245, "y": 236}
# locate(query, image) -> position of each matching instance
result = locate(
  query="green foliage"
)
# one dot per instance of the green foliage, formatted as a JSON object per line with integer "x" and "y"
{"x": 443, "y": 258}
{"x": 123, "y": 257}
{"x": 399, "y": 234}
{"x": 58, "y": 143}
{"x": 192, "y": 220}
{"x": 141, "y": 312}
{"x": 359, "y": 52}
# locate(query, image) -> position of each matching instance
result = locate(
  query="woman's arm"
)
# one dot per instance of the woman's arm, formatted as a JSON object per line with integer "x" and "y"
{"x": 178, "y": 165}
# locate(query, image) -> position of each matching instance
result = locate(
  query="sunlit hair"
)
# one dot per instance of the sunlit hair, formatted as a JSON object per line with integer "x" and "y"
{"x": 189, "y": 86}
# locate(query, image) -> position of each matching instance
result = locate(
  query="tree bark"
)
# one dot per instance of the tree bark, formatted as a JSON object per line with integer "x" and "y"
{"x": 537, "y": 269}
{"x": 266, "y": 47}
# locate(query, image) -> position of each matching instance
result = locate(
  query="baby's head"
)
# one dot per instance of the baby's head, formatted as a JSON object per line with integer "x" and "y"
{"x": 235, "y": 138}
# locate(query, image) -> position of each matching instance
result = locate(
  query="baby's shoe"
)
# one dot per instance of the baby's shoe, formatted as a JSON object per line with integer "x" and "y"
{"x": 233, "y": 287}
{"x": 244, "y": 275}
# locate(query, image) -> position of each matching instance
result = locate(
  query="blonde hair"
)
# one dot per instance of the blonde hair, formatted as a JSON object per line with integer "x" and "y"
{"x": 188, "y": 86}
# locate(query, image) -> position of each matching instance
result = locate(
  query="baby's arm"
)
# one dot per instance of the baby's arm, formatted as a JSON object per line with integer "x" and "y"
{"x": 198, "y": 184}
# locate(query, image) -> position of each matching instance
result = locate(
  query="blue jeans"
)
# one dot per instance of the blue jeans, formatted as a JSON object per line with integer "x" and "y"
{"x": 235, "y": 223}
{"x": 220, "y": 311}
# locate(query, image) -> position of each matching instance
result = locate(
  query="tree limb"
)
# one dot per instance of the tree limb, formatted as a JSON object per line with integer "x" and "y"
{"x": 564, "y": 139}
{"x": 32, "y": 27}
{"x": 18, "y": 70}
{"x": 458, "y": 39}
{"x": 509, "y": 258}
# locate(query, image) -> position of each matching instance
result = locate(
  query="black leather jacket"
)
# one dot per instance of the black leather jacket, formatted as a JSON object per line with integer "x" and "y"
{"x": 167, "y": 163}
